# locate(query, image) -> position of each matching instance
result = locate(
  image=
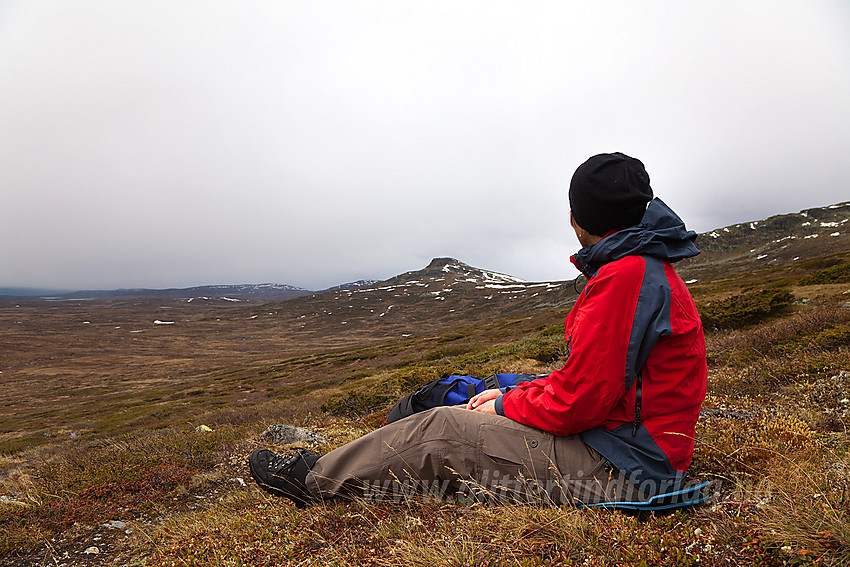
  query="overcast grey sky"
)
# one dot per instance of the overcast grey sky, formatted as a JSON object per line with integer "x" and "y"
{"x": 179, "y": 143}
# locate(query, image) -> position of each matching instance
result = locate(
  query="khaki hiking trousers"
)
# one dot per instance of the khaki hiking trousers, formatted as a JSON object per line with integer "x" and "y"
{"x": 452, "y": 452}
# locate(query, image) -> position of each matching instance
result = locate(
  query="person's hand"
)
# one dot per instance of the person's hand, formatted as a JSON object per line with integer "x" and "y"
{"x": 485, "y": 401}
{"x": 486, "y": 407}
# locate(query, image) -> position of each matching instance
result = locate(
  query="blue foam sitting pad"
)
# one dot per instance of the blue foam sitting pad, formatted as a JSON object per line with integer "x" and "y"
{"x": 689, "y": 496}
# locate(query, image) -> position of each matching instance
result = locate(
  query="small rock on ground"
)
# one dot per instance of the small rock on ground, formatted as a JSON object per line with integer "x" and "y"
{"x": 115, "y": 525}
{"x": 282, "y": 434}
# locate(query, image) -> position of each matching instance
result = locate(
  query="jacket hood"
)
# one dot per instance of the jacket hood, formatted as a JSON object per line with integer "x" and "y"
{"x": 661, "y": 233}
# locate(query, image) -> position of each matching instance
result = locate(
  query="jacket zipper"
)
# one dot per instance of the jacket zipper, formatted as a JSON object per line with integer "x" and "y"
{"x": 638, "y": 392}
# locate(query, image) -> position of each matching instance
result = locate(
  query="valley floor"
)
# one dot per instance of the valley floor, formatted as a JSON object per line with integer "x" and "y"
{"x": 130, "y": 448}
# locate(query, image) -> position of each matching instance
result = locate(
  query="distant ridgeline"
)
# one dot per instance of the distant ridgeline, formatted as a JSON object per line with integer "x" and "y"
{"x": 776, "y": 241}
{"x": 235, "y": 292}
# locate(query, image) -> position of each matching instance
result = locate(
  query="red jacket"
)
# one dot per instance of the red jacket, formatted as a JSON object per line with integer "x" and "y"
{"x": 635, "y": 374}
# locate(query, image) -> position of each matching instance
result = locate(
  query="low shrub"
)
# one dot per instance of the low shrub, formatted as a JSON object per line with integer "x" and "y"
{"x": 745, "y": 309}
{"x": 835, "y": 274}
{"x": 820, "y": 263}
{"x": 357, "y": 403}
{"x": 833, "y": 337}
{"x": 759, "y": 444}
{"x": 12, "y": 445}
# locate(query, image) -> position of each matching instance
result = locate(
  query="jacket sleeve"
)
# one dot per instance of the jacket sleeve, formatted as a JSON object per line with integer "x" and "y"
{"x": 581, "y": 395}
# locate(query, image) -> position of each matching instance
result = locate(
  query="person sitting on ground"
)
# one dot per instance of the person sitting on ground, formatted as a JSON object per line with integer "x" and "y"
{"x": 616, "y": 423}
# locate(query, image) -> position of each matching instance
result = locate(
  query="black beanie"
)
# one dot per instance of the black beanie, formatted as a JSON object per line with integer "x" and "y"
{"x": 609, "y": 191}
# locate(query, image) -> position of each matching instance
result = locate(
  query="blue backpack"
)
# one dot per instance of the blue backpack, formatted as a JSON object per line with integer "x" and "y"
{"x": 452, "y": 391}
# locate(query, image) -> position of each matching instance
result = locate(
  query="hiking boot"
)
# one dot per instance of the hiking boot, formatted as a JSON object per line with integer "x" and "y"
{"x": 283, "y": 475}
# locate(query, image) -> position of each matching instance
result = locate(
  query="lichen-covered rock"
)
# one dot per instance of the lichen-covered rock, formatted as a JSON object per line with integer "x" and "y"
{"x": 282, "y": 434}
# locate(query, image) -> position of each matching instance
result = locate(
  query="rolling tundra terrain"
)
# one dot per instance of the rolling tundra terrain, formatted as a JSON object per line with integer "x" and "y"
{"x": 126, "y": 418}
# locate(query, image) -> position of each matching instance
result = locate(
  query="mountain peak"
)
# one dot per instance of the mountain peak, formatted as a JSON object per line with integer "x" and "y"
{"x": 453, "y": 269}
{"x": 442, "y": 262}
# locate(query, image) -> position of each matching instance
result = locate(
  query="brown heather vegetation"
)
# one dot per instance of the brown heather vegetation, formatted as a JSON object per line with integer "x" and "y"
{"x": 773, "y": 437}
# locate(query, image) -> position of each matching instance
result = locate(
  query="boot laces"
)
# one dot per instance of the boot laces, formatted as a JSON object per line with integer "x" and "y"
{"x": 279, "y": 463}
